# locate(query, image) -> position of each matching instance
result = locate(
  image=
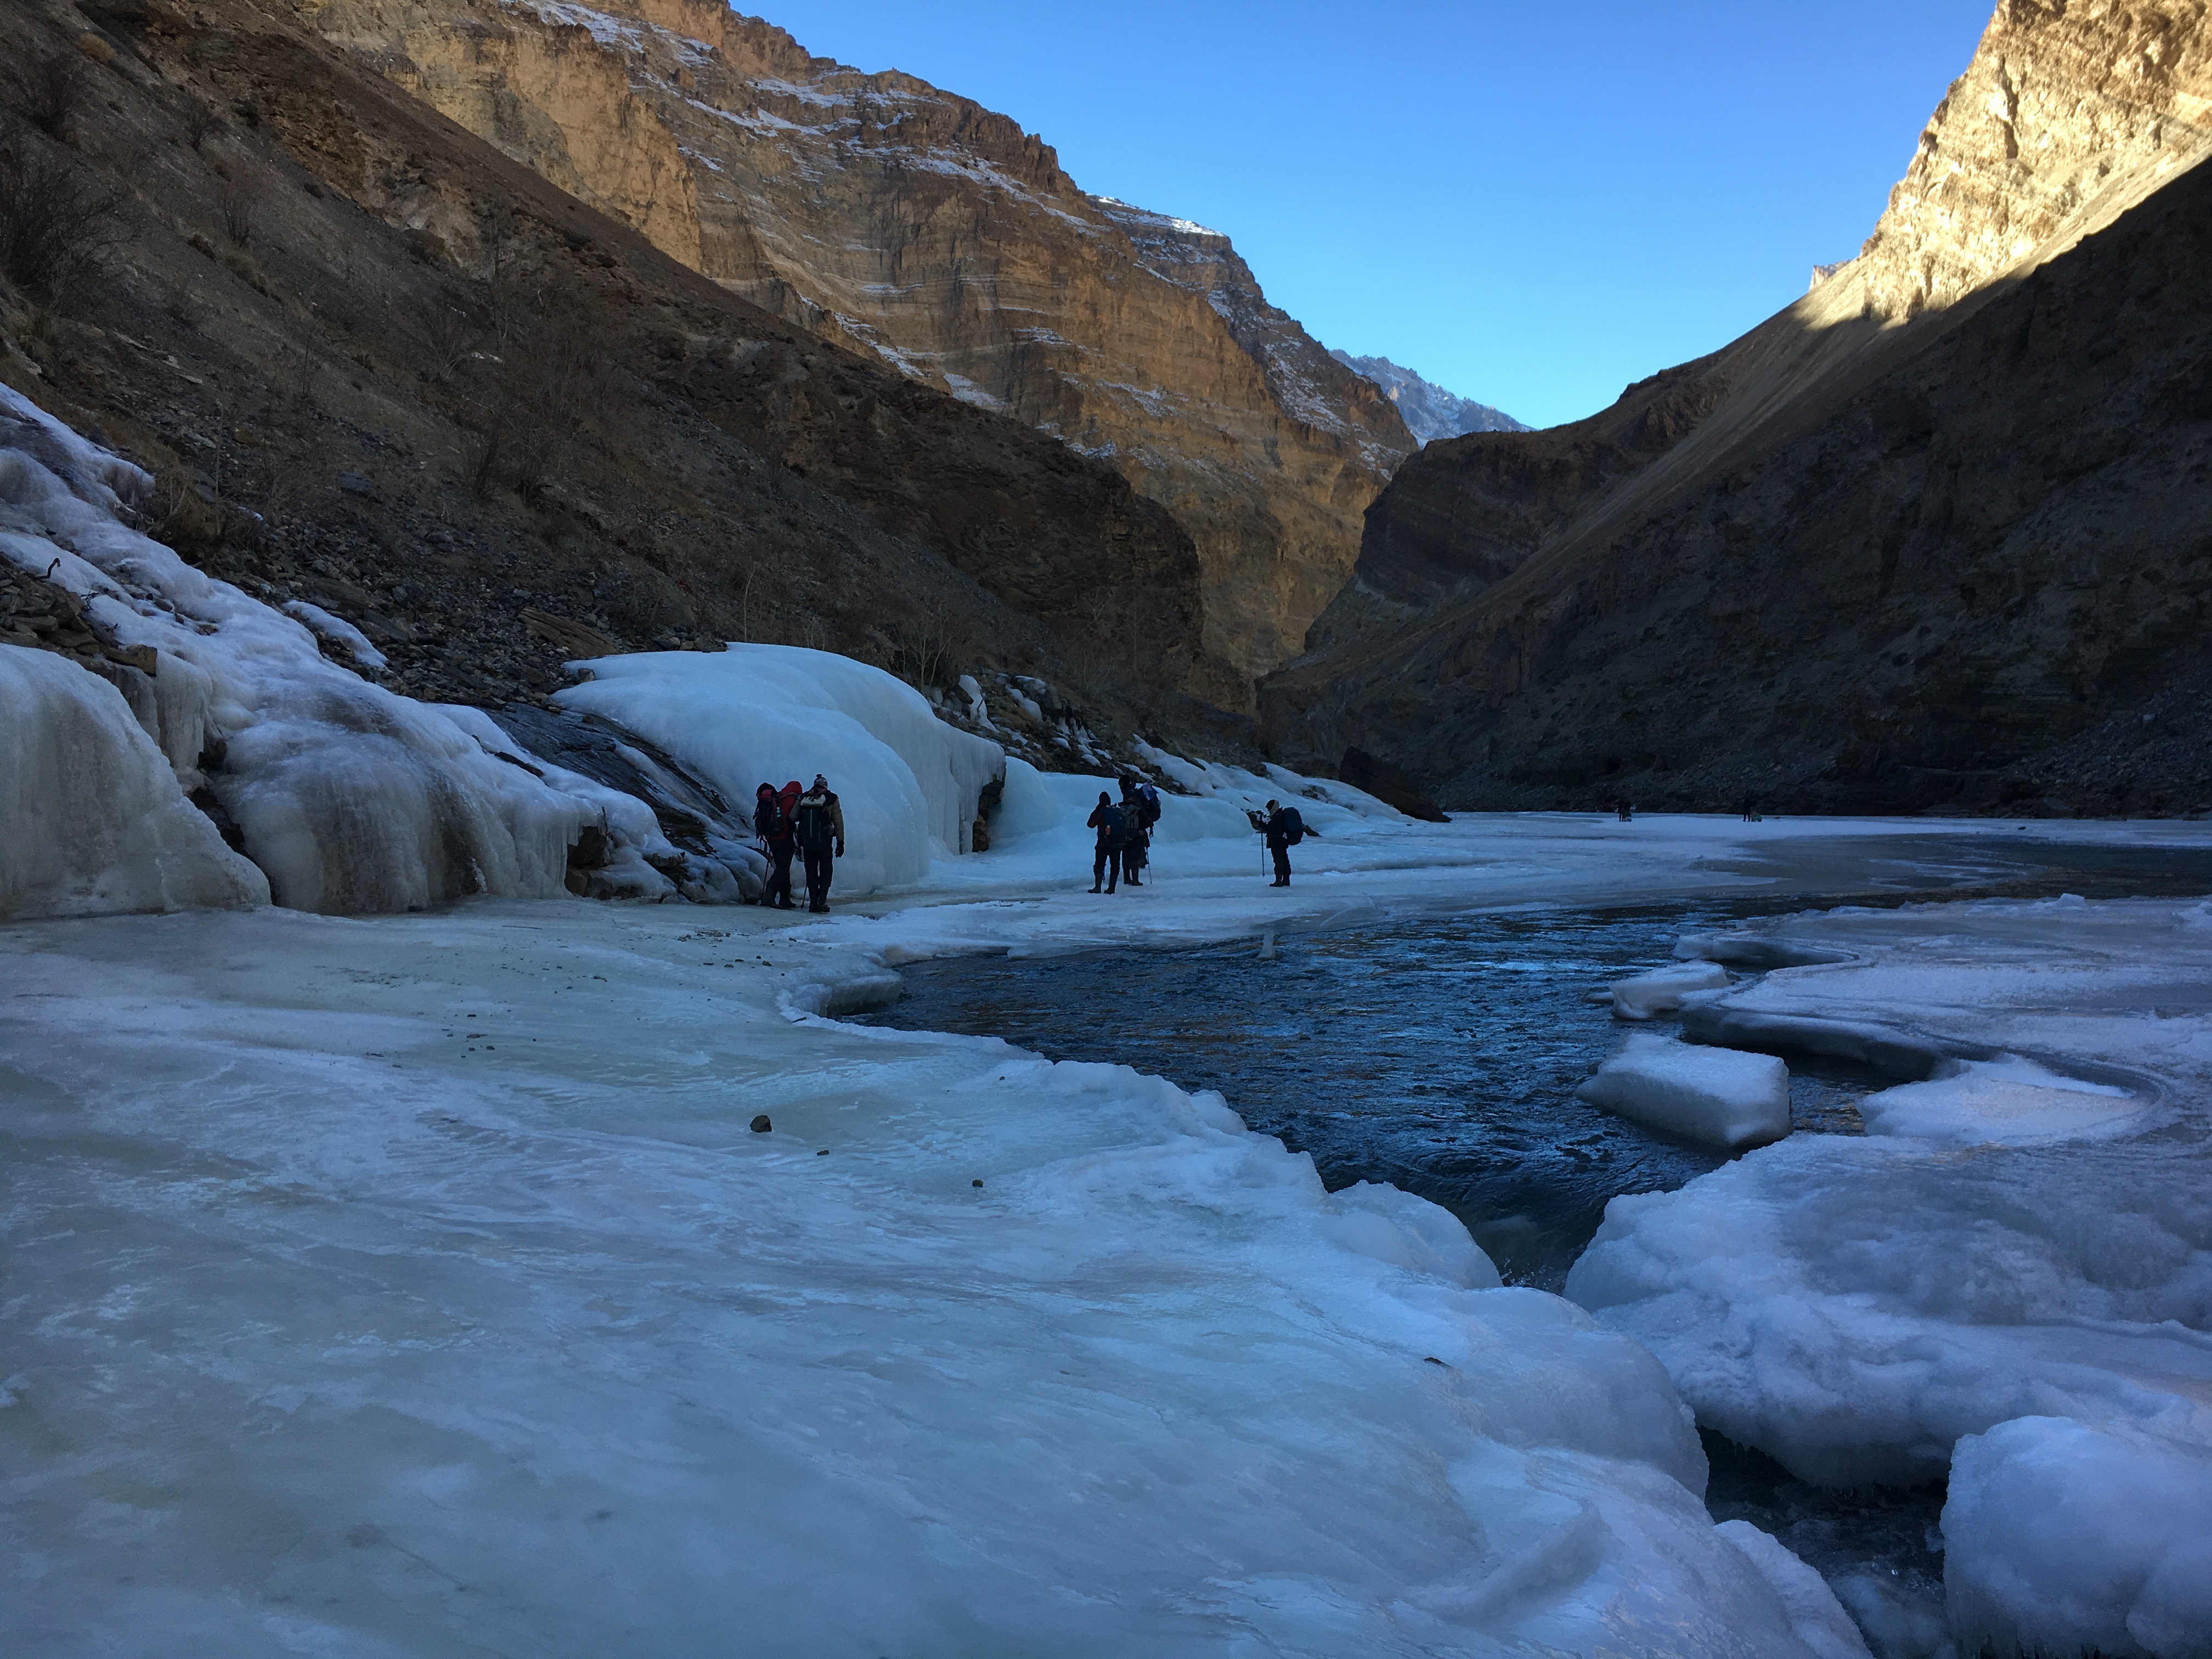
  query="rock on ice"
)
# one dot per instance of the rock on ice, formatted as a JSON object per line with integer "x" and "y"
{"x": 1713, "y": 1094}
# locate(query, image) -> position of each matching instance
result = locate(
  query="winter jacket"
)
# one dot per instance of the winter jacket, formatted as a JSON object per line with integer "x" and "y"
{"x": 1285, "y": 827}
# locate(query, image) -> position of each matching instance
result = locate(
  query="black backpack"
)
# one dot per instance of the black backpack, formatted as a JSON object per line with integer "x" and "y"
{"x": 1294, "y": 827}
{"x": 815, "y": 831}
{"x": 769, "y": 823}
{"x": 1151, "y": 798}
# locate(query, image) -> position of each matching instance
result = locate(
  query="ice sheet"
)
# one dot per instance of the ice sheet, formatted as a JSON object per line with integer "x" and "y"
{"x": 415, "y": 1286}
{"x": 1716, "y": 1096}
{"x": 350, "y": 798}
{"x": 2016, "y": 1263}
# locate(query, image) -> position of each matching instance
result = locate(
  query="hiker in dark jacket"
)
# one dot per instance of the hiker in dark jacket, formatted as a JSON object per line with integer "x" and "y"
{"x": 1284, "y": 830}
{"x": 1136, "y": 818}
{"x": 1106, "y": 862}
{"x": 772, "y": 824}
{"x": 818, "y": 824}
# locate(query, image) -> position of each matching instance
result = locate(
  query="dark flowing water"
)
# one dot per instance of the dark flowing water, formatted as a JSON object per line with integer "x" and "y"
{"x": 1443, "y": 1054}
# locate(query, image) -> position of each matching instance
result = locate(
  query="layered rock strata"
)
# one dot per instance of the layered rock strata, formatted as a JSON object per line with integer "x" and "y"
{"x": 1949, "y": 509}
{"x": 380, "y": 369}
{"x": 937, "y": 237}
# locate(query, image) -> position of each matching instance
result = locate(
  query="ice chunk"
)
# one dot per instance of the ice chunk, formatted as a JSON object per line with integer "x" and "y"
{"x": 91, "y": 817}
{"x": 1662, "y": 990}
{"x": 765, "y": 713}
{"x": 2065, "y": 1537}
{"x": 1820, "y": 1621}
{"x": 332, "y": 627}
{"x": 1754, "y": 952}
{"x": 1713, "y": 1094}
{"x": 1973, "y": 1102}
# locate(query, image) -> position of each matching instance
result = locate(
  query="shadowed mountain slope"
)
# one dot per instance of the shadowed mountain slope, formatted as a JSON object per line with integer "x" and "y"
{"x": 1948, "y": 510}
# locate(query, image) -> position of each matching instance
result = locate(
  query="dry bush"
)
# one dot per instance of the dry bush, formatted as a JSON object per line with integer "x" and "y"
{"x": 449, "y": 338}
{"x": 930, "y": 643}
{"x": 50, "y": 91}
{"x": 239, "y": 203}
{"x": 202, "y": 121}
{"x": 56, "y": 221}
{"x": 533, "y": 400}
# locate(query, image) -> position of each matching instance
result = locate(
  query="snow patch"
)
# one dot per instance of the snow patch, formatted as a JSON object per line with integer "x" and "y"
{"x": 1716, "y": 1096}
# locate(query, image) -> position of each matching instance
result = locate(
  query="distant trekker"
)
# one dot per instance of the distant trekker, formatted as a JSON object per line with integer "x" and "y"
{"x": 1284, "y": 830}
{"x": 772, "y": 822}
{"x": 1106, "y": 860}
{"x": 818, "y": 826}
{"x": 1141, "y": 811}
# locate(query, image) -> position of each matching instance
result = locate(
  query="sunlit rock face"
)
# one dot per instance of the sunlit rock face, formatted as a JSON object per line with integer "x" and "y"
{"x": 2068, "y": 115}
{"x": 930, "y": 232}
{"x": 1910, "y": 543}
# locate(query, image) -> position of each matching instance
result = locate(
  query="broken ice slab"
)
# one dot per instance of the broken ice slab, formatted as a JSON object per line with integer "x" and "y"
{"x": 1716, "y": 1095}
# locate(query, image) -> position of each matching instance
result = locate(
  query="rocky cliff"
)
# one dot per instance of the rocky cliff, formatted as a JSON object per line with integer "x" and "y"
{"x": 381, "y": 369}
{"x": 940, "y": 238}
{"x": 1429, "y": 411}
{"x": 1946, "y": 513}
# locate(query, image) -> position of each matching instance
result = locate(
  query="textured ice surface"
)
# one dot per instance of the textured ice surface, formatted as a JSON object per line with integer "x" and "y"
{"x": 414, "y": 1286}
{"x": 1716, "y": 1096}
{"x": 766, "y": 714}
{"x": 1643, "y": 996}
{"x": 1819, "y": 1619}
{"x": 2062, "y": 1537}
{"x": 1972, "y": 1103}
{"x": 91, "y": 817}
{"x": 350, "y": 798}
{"x": 2014, "y": 1264}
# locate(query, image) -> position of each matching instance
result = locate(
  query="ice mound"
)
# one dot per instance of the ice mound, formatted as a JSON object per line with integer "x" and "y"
{"x": 517, "y": 1303}
{"x": 1820, "y": 1621}
{"x": 765, "y": 713}
{"x": 1711, "y": 1095}
{"x": 1643, "y": 996}
{"x": 2062, "y": 1537}
{"x": 2013, "y": 1265}
{"x": 1971, "y": 1101}
{"x": 349, "y": 798}
{"x": 1325, "y": 804}
{"x": 91, "y": 817}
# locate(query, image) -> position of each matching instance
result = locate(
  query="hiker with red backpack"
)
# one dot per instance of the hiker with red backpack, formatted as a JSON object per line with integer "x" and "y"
{"x": 773, "y": 823}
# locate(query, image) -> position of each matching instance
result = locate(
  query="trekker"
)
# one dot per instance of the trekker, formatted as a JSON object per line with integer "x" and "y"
{"x": 1106, "y": 861}
{"x": 818, "y": 825}
{"x": 1136, "y": 831}
{"x": 1284, "y": 830}
{"x": 772, "y": 824}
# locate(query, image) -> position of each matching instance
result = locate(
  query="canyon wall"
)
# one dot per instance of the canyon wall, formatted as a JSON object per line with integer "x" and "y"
{"x": 936, "y": 237}
{"x": 1948, "y": 511}
{"x": 380, "y": 368}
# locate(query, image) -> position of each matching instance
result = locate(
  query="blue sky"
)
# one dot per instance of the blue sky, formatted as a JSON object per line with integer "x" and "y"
{"x": 1533, "y": 205}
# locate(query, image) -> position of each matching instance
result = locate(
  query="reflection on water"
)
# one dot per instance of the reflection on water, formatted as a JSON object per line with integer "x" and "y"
{"x": 1442, "y": 1056}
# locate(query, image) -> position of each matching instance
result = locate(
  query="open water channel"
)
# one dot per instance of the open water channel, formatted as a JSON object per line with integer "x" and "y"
{"x": 1442, "y": 1056}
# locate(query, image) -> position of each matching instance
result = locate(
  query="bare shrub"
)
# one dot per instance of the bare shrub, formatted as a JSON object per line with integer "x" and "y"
{"x": 930, "y": 642}
{"x": 449, "y": 336}
{"x": 239, "y": 203}
{"x": 202, "y": 121}
{"x": 55, "y": 220}
{"x": 50, "y": 91}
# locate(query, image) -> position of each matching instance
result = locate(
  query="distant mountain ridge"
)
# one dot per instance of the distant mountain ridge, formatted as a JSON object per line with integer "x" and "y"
{"x": 1429, "y": 410}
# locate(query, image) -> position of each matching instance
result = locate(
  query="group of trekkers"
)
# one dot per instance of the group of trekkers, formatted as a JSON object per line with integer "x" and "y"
{"x": 1125, "y": 834}
{"x": 809, "y": 822}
